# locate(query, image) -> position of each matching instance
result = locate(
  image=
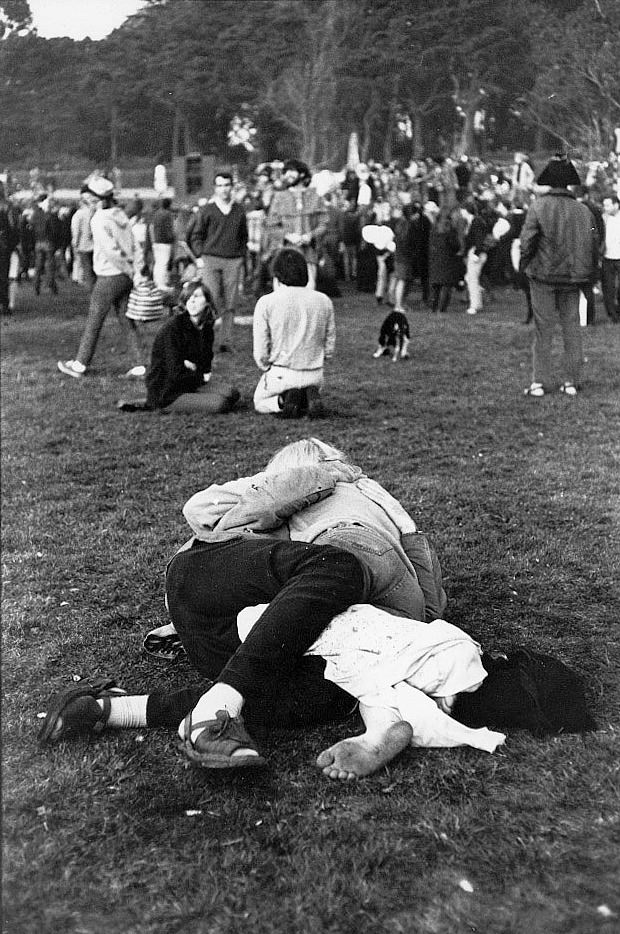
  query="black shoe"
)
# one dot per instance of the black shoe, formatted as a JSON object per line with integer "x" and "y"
{"x": 315, "y": 406}
{"x": 293, "y": 403}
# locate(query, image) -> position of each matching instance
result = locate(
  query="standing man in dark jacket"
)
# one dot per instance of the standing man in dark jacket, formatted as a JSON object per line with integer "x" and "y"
{"x": 559, "y": 254}
{"x": 218, "y": 240}
{"x": 47, "y": 235}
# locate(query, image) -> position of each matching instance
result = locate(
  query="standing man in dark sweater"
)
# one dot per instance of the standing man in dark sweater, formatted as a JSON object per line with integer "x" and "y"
{"x": 218, "y": 240}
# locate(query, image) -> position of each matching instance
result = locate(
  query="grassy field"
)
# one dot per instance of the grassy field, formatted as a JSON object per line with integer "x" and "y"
{"x": 520, "y": 497}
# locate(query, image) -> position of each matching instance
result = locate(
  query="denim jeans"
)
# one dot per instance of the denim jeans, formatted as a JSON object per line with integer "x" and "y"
{"x": 548, "y": 303}
{"x": 108, "y": 292}
{"x": 390, "y": 583}
{"x": 305, "y": 587}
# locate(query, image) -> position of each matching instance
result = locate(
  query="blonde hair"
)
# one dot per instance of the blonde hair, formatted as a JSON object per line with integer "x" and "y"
{"x": 303, "y": 453}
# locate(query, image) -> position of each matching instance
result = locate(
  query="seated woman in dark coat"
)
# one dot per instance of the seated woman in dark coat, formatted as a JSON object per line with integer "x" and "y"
{"x": 178, "y": 378}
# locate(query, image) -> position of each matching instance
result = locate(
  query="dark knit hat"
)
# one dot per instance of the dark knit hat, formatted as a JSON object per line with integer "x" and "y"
{"x": 559, "y": 173}
{"x": 529, "y": 691}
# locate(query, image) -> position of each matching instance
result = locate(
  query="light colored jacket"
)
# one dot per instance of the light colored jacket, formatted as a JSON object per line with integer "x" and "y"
{"x": 81, "y": 233}
{"x": 113, "y": 243}
{"x": 307, "y": 501}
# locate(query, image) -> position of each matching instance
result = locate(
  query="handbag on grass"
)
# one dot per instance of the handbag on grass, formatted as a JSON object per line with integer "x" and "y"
{"x": 145, "y": 302}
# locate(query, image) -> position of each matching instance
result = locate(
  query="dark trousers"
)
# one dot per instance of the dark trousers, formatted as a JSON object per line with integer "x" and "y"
{"x": 441, "y": 297}
{"x": 610, "y": 281}
{"x": 44, "y": 258}
{"x": 5, "y": 258}
{"x": 305, "y": 587}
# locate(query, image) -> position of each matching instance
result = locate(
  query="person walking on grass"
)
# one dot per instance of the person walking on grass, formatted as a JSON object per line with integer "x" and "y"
{"x": 560, "y": 247}
{"x": 113, "y": 266}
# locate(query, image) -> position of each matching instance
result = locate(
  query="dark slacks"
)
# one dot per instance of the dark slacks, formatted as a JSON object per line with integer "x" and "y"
{"x": 305, "y": 587}
{"x": 610, "y": 280}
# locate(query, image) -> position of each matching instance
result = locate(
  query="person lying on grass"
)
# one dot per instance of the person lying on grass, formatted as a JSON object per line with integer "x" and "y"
{"x": 206, "y": 581}
{"x": 178, "y": 378}
{"x": 310, "y": 492}
{"x": 418, "y": 684}
{"x": 209, "y": 581}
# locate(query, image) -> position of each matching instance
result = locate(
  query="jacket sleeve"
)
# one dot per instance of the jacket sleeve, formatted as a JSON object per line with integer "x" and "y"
{"x": 426, "y": 565}
{"x": 261, "y": 338}
{"x": 530, "y": 235}
{"x": 196, "y": 234}
{"x": 271, "y": 498}
{"x": 205, "y": 509}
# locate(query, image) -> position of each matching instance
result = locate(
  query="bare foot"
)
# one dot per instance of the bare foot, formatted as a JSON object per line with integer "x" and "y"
{"x": 360, "y": 756}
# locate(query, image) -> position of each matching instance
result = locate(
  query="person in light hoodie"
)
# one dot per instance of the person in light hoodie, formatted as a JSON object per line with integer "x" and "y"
{"x": 113, "y": 265}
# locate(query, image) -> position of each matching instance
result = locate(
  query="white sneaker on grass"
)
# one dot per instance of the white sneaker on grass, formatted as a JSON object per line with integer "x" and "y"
{"x": 72, "y": 368}
{"x": 136, "y": 372}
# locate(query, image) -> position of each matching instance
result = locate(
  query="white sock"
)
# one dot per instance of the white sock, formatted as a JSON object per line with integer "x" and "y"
{"x": 219, "y": 697}
{"x": 126, "y": 712}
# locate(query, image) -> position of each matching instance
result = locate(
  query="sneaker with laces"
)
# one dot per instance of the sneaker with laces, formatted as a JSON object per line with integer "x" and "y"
{"x": 219, "y": 739}
{"x": 72, "y": 368}
{"x": 569, "y": 389}
{"x": 535, "y": 389}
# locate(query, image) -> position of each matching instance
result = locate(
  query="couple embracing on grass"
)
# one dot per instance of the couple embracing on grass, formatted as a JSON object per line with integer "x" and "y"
{"x": 307, "y": 592}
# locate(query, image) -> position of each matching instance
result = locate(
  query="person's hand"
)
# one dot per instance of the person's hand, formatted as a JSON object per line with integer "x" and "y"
{"x": 190, "y": 366}
{"x": 206, "y": 377}
{"x": 200, "y": 263}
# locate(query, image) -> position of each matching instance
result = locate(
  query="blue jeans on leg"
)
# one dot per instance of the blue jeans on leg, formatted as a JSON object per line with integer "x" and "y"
{"x": 108, "y": 292}
{"x": 305, "y": 587}
{"x": 548, "y": 303}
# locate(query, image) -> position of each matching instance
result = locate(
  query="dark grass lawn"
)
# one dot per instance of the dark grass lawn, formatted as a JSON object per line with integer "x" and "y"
{"x": 521, "y": 498}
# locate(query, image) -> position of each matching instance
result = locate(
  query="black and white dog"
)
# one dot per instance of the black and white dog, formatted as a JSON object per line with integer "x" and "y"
{"x": 394, "y": 337}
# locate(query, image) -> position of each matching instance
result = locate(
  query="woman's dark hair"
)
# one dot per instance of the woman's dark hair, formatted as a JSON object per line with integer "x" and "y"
{"x": 192, "y": 286}
{"x": 289, "y": 267}
{"x": 223, "y": 174}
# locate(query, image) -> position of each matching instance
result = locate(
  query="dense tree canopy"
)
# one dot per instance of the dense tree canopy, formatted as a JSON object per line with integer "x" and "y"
{"x": 409, "y": 76}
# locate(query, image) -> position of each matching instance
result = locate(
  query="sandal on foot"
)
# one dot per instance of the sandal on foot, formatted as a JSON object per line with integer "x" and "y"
{"x": 164, "y": 643}
{"x": 75, "y": 711}
{"x": 220, "y": 738}
{"x": 569, "y": 389}
{"x": 535, "y": 389}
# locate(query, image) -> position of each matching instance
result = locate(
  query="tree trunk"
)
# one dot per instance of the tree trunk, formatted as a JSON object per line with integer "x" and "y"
{"x": 114, "y": 134}
{"x": 389, "y": 133}
{"x": 418, "y": 134}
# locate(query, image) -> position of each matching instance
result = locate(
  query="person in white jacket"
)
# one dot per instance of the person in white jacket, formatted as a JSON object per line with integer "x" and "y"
{"x": 113, "y": 265}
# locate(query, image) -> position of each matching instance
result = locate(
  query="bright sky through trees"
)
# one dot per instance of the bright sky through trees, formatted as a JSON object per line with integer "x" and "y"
{"x": 80, "y": 18}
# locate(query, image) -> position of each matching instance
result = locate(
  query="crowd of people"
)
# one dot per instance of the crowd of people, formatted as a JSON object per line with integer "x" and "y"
{"x": 307, "y": 591}
{"x": 445, "y": 224}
